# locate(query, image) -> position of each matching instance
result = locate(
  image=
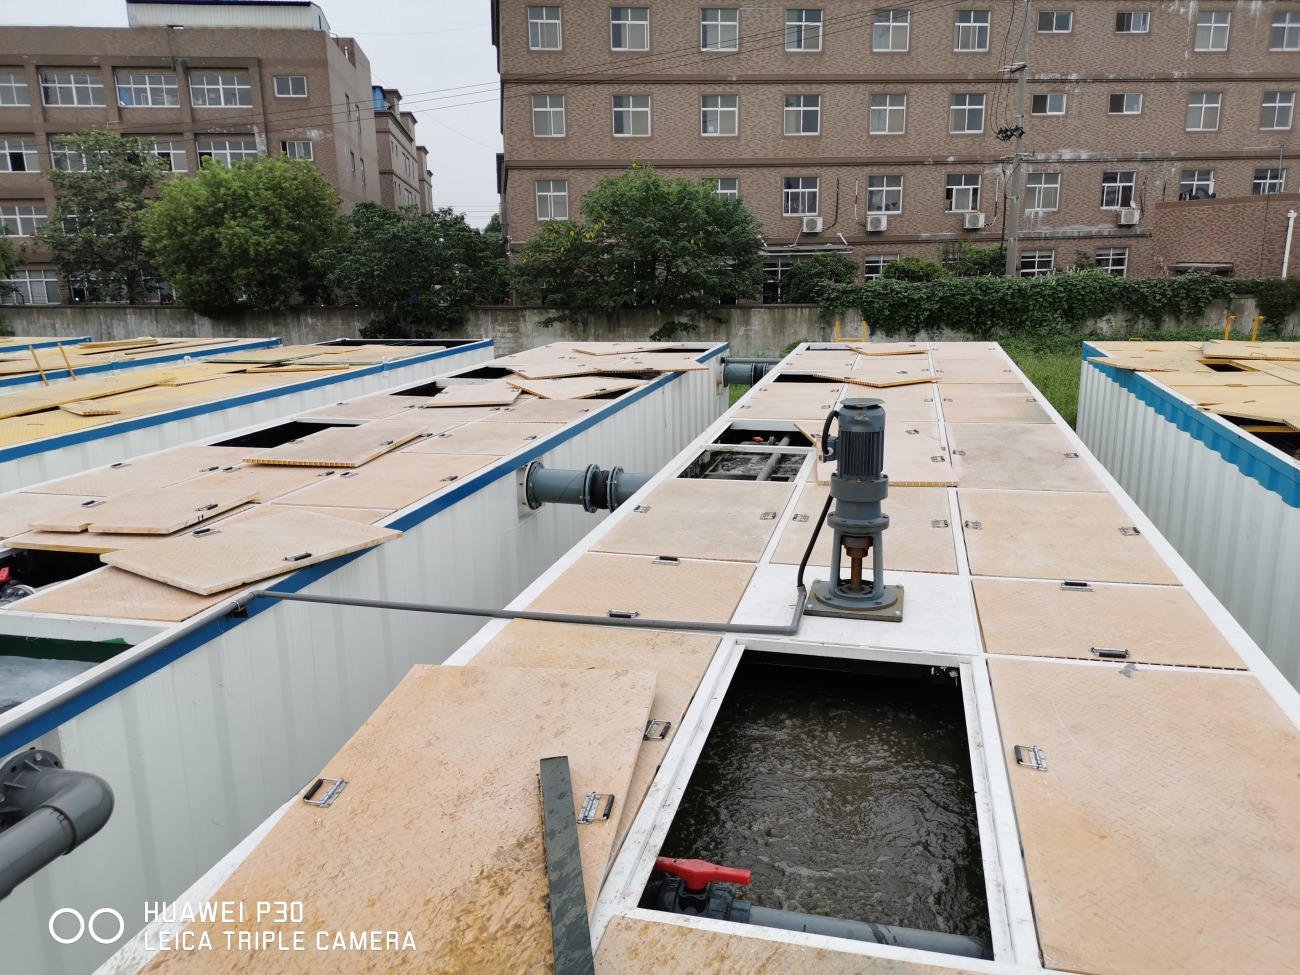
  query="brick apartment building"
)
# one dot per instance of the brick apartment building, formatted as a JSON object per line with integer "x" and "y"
{"x": 1157, "y": 136}
{"x": 233, "y": 81}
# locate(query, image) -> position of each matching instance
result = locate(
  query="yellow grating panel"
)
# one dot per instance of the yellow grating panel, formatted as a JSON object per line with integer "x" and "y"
{"x": 17, "y": 510}
{"x": 72, "y": 391}
{"x": 120, "y": 345}
{"x": 344, "y": 446}
{"x": 474, "y": 394}
{"x": 392, "y": 482}
{"x": 155, "y": 470}
{"x": 1156, "y": 840}
{"x": 368, "y": 408}
{"x": 283, "y": 353}
{"x": 299, "y": 367}
{"x": 52, "y": 423}
{"x": 146, "y": 511}
{"x": 122, "y": 595}
{"x": 484, "y": 437}
{"x": 579, "y": 387}
{"x": 1018, "y": 455}
{"x": 990, "y": 403}
{"x": 789, "y": 401}
{"x": 88, "y": 409}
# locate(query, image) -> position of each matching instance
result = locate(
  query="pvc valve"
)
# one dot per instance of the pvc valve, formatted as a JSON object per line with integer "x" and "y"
{"x": 699, "y": 873}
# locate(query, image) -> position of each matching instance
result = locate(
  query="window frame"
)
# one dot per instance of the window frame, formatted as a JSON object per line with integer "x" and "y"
{"x": 550, "y": 195}
{"x": 972, "y": 29}
{"x": 17, "y": 80}
{"x": 1284, "y": 99}
{"x": 890, "y": 26}
{"x": 1288, "y": 22}
{"x": 886, "y": 193}
{"x": 1126, "y": 95}
{"x": 206, "y": 86}
{"x": 1050, "y": 185}
{"x": 1203, "y": 107}
{"x": 800, "y": 28}
{"x": 1268, "y": 181}
{"x": 1107, "y": 262}
{"x": 717, "y": 24}
{"x": 1133, "y": 15}
{"x": 789, "y": 194}
{"x": 226, "y": 151}
{"x": 67, "y": 160}
{"x": 1048, "y": 96}
{"x": 1056, "y": 15}
{"x": 966, "y": 109}
{"x": 23, "y": 280}
{"x": 971, "y": 192}
{"x": 169, "y": 149}
{"x": 632, "y": 112}
{"x": 93, "y": 82}
{"x": 880, "y": 261}
{"x": 1116, "y": 187}
{"x": 801, "y": 112}
{"x": 290, "y": 78}
{"x": 550, "y": 112}
{"x": 733, "y": 193}
{"x": 31, "y": 221}
{"x": 1197, "y": 181}
{"x": 26, "y": 148}
{"x": 295, "y": 153}
{"x": 889, "y": 111}
{"x": 1212, "y": 26}
{"x": 144, "y": 82}
{"x": 720, "y": 112}
{"x": 628, "y": 26}
{"x": 537, "y": 38}
{"x": 1037, "y": 257}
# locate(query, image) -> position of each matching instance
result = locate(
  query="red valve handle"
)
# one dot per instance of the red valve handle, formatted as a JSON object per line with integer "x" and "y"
{"x": 698, "y": 873}
{"x": 4, "y": 575}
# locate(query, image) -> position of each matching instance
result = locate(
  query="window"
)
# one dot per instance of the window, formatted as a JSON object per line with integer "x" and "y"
{"x": 67, "y": 160}
{"x": 1055, "y": 21}
{"x": 803, "y": 114}
{"x": 13, "y": 88}
{"x": 803, "y": 30}
{"x": 21, "y": 219}
{"x": 228, "y": 151}
{"x": 966, "y": 114}
{"x": 719, "y": 30}
{"x": 629, "y": 28}
{"x": 215, "y": 90}
{"x": 1126, "y": 103}
{"x": 890, "y": 32}
{"x": 363, "y": 171}
{"x": 1268, "y": 181}
{"x": 1132, "y": 22}
{"x": 1196, "y": 184}
{"x": 632, "y": 115}
{"x": 34, "y": 288}
{"x": 352, "y": 164}
{"x": 963, "y": 193}
{"x": 552, "y": 199}
{"x": 884, "y": 194}
{"x": 18, "y": 156}
{"x": 170, "y": 151}
{"x": 719, "y": 114}
{"x": 297, "y": 150}
{"x": 1035, "y": 264}
{"x": 1277, "y": 110}
{"x": 728, "y": 186}
{"x": 548, "y": 116}
{"x": 544, "y": 28}
{"x": 1203, "y": 110}
{"x": 291, "y": 86}
{"x": 888, "y": 114}
{"x": 147, "y": 90}
{"x": 1042, "y": 191}
{"x": 1117, "y": 189}
{"x": 59, "y": 88}
{"x": 1113, "y": 260}
{"x": 799, "y": 196}
{"x": 873, "y": 265}
{"x": 1050, "y": 103}
{"x": 971, "y": 30}
{"x": 1212, "y": 30}
{"x": 1285, "y": 35}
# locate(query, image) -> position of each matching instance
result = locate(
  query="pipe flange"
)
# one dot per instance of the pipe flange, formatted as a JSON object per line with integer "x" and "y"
{"x": 588, "y": 477}
{"x": 611, "y": 488}
{"x": 530, "y": 496}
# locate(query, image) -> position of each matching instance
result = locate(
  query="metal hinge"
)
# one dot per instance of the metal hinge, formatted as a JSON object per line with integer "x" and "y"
{"x": 666, "y": 560}
{"x": 1071, "y": 455}
{"x": 1110, "y": 653}
{"x": 623, "y": 614}
{"x": 974, "y": 525}
{"x": 959, "y": 453}
{"x": 939, "y": 523}
{"x": 1031, "y": 756}
{"x": 1071, "y": 585}
{"x": 656, "y": 730}
{"x": 642, "y": 509}
{"x": 1129, "y": 530}
{"x": 332, "y": 793}
{"x": 800, "y": 518}
{"x": 591, "y": 811}
{"x": 911, "y": 433}
{"x": 767, "y": 516}
{"x": 938, "y": 459}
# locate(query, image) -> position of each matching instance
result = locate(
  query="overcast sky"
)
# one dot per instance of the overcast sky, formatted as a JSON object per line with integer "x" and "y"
{"x": 438, "y": 53}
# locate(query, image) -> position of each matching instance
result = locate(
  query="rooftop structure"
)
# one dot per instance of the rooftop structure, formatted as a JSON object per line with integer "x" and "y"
{"x": 39, "y": 360}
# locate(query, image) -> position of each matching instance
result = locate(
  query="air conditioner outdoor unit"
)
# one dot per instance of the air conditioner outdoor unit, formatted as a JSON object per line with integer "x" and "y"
{"x": 812, "y": 225}
{"x": 877, "y": 223}
{"x": 1129, "y": 216}
{"x": 973, "y": 221}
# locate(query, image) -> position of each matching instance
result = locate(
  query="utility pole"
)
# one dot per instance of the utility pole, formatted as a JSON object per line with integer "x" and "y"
{"x": 1017, "y": 181}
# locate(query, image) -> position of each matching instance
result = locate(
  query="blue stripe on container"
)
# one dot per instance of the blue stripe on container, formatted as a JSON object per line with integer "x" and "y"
{"x": 140, "y": 363}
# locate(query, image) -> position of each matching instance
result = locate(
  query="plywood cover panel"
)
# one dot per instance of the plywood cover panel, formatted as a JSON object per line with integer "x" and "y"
{"x": 368, "y": 408}
{"x": 1160, "y": 838}
{"x": 97, "y": 543}
{"x": 557, "y": 368}
{"x": 887, "y": 348}
{"x": 530, "y": 409}
{"x": 812, "y": 360}
{"x": 1018, "y": 455}
{"x": 691, "y": 591}
{"x": 623, "y": 348}
{"x": 915, "y": 455}
{"x": 993, "y": 369}
{"x": 266, "y": 481}
{"x": 692, "y": 518}
{"x": 122, "y": 595}
{"x": 146, "y": 511}
{"x": 661, "y": 362}
{"x": 1209, "y": 383}
{"x": 484, "y": 437}
{"x": 155, "y": 470}
{"x": 1056, "y": 535}
{"x": 913, "y": 543}
{"x": 18, "y": 510}
{"x": 790, "y": 401}
{"x": 990, "y": 403}
{"x": 283, "y": 353}
{"x": 391, "y": 482}
{"x": 237, "y": 554}
{"x": 366, "y": 516}
{"x": 578, "y": 387}
{"x": 1236, "y": 349}
{"x": 344, "y": 446}
{"x": 903, "y": 403}
{"x": 439, "y": 830}
{"x": 954, "y": 351}
{"x": 473, "y": 394}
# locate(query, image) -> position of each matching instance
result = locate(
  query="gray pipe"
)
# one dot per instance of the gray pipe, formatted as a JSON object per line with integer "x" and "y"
{"x": 746, "y": 372}
{"x": 881, "y": 934}
{"x": 591, "y": 487}
{"x": 766, "y": 473}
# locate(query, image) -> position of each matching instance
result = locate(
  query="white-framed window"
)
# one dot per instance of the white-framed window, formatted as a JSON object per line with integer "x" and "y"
{"x": 22, "y": 219}
{"x": 1277, "y": 109}
{"x": 891, "y": 29}
{"x": 884, "y": 194}
{"x": 799, "y": 196}
{"x": 728, "y": 186}
{"x": 1047, "y": 103}
{"x": 1042, "y": 191}
{"x": 631, "y": 115}
{"x": 1055, "y": 21}
{"x": 170, "y": 151}
{"x": 1117, "y": 189}
{"x": 1113, "y": 260}
{"x": 888, "y": 114}
{"x": 970, "y": 30}
{"x": 299, "y": 149}
{"x": 229, "y": 151}
{"x": 1037, "y": 264}
{"x": 1203, "y": 110}
{"x": 544, "y": 29}
{"x": 720, "y": 29}
{"x": 1132, "y": 22}
{"x": 629, "y": 28}
{"x": 18, "y": 156}
{"x": 552, "y": 199}
{"x": 13, "y": 88}
{"x": 1212, "y": 30}
{"x": 803, "y": 114}
{"x": 548, "y": 116}
{"x": 72, "y": 88}
{"x": 363, "y": 171}
{"x": 147, "y": 90}
{"x": 1268, "y": 181}
{"x": 216, "y": 90}
{"x": 33, "y": 288}
{"x": 1196, "y": 184}
{"x": 1125, "y": 103}
{"x": 719, "y": 114}
{"x": 290, "y": 86}
{"x": 66, "y": 159}
{"x": 966, "y": 115}
{"x": 1285, "y": 35}
{"x": 352, "y": 163}
{"x": 873, "y": 265}
{"x": 803, "y": 29}
{"x": 963, "y": 193}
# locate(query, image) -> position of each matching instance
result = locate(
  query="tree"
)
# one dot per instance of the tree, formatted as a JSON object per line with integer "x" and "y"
{"x": 418, "y": 272}
{"x": 95, "y": 236}
{"x": 9, "y": 259}
{"x": 968, "y": 261}
{"x": 804, "y": 282}
{"x": 915, "y": 269}
{"x": 648, "y": 241}
{"x": 244, "y": 236}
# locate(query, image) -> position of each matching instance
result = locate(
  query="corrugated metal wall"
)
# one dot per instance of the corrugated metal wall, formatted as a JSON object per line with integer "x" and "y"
{"x": 248, "y": 15}
{"x": 1242, "y": 539}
